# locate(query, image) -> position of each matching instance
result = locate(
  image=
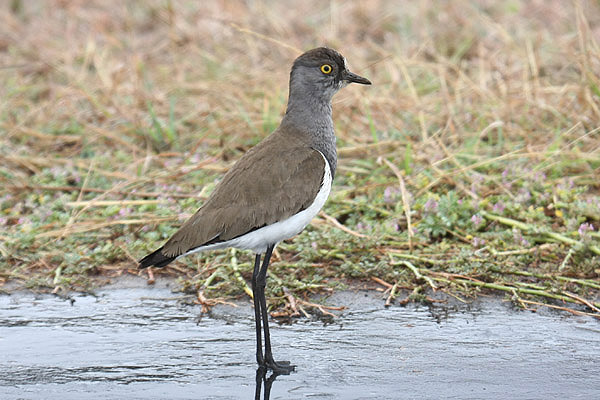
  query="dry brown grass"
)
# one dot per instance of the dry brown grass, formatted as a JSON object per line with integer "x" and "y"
{"x": 104, "y": 101}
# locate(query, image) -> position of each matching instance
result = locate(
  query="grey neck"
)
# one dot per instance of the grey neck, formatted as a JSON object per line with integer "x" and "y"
{"x": 310, "y": 116}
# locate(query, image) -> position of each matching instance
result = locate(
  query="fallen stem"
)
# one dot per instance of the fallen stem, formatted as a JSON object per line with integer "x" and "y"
{"x": 510, "y": 289}
{"x": 576, "y": 312}
{"x": 415, "y": 271}
{"x": 388, "y": 301}
{"x": 526, "y": 227}
{"x": 400, "y": 254}
{"x": 238, "y": 275}
{"x": 583, "y": 282}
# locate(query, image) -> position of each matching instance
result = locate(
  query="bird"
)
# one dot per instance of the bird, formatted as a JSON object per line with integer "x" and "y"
{"x": 276, "y": 188}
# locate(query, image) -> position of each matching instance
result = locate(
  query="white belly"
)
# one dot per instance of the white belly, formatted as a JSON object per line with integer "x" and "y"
{"x": 260, "y": 239}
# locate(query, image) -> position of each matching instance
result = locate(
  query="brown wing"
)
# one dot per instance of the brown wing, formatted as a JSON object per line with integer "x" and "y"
{"x": 273, "y": 181}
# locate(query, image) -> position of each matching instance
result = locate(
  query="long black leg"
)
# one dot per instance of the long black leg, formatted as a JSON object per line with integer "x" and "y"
{"x": 257, "y": 311}
{"x": 261, "y": 283}
{"x": 260, "y": 376}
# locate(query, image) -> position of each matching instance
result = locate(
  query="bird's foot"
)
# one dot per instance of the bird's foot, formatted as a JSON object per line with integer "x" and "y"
{"x": 278, "y": 367}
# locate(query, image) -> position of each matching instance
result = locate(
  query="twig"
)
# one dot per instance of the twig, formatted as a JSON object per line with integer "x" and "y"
{"x": 576, "y": 312}
{"x": 92, "y": 226}
{"x": 414, "y": 95}
{"x": 411, "y": 296}
{"x": 208, "y": 303}
{"x": 370, "y": 149}
{"x": 451, "y": 275}
{"x": 520, "y": 300}
{"x": 306, "y": 315}
{"x": 566, "y": 260}
{"x": 582, "y": 300}
{"x": 27, "y": 186}
{"x": 510, "y": 289}
{"x": 321, "y": 308}
{"x": 526, "y": 227}
{"x": 57, "y": 273}
{"x": 382, "y": 282}
{"x": 415, "y": 271}
{"x": 211, "y": 277}
{"x": 400, "y": 254}
{"x": 127, "y": 253}
{"x": 517, "y": 252}
{"x": 264, "y": 37}
{"x": 292, "y": 300}
{"x": 582, "y": 282}
{"x": 74, "y": 215}
{"x": 405, "y": 200}
{"x": 238, "y": 275}
{"x": 103, "y": 203}
{"x": 390, "y": 298}
{"x": 337, "y": 224}
{"x": 203, "y": 302}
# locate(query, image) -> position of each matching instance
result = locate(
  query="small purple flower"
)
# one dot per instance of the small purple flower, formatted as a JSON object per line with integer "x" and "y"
{"x": 389, "y": 193}
{"x": 361, "y": 227}
{"x": 57, "y": 172}
{"x": 474, "y": 187}
{"x": 476, "y": 182}
{"x": 518, "y": 237}
{"x": 314, "y": 245}
{"x": 539, "y": 176}
{"x": 431, "y": 205}
{"x": 568, "y": 185}
{"x": 195, "y": 158}
{"x": 478, "y": 178}
{"x": 477, "y": 242}
{"x": 477, "y": 220}
{"x": 3, "y": 221}
{"x": 505, "y": 175}
{"x": 523, "y": 196}
{"x": 124, "y": 212}
{"x": 498, "y": 207}
{"x": 585, "y": 228}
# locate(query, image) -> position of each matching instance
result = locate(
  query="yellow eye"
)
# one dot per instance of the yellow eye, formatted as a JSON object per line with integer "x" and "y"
{"x": 326, "y": 68}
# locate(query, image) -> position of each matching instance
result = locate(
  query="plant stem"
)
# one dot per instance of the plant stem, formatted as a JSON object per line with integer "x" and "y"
{"x": 526, "y": 227}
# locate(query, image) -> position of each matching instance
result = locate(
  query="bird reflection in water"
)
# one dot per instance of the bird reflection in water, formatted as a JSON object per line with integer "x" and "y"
{"x": 262, "y": 378}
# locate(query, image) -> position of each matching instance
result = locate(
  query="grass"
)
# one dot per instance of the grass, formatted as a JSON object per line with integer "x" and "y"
{"x": 472, "y": 164}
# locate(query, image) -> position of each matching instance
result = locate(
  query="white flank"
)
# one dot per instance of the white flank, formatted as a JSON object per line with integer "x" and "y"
{"x": 260, "y": 239}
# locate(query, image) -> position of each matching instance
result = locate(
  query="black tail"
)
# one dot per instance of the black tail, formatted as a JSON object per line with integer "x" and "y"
{"x": 156, "y": 259}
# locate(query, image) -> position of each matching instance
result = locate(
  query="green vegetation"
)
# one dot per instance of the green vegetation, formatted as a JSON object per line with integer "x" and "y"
{"x": 472, "y": 164}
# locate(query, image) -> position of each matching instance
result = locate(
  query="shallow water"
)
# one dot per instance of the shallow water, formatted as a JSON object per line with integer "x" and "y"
{"x": 134, "y": 343}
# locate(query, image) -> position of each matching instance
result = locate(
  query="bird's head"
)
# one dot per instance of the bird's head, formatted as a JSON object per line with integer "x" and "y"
{"x": 320, "y": 73}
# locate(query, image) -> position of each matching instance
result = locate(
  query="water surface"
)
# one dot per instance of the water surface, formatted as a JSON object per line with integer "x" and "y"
{"x": 139, "y": 343}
